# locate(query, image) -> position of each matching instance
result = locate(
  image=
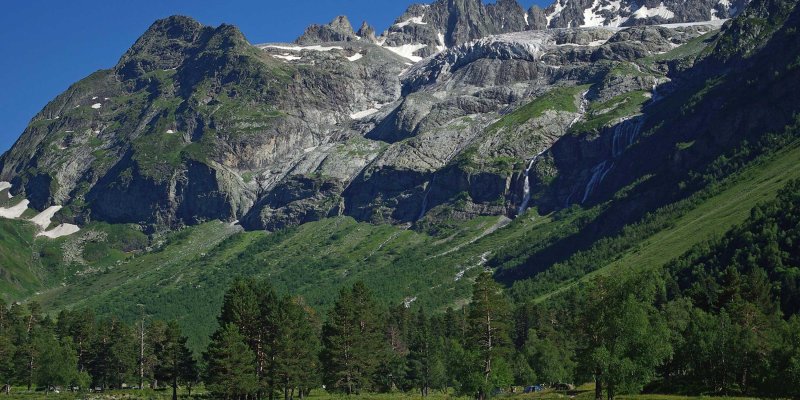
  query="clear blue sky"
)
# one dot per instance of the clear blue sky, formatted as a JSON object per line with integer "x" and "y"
{"x": 46, "y": 45}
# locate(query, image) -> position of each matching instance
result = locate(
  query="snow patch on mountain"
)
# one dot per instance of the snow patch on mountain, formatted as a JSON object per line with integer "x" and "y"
{"x": 366, "y": 113}
{"x": 44, "y": 218}
{"x": 413, "y": 20}
{"x": 592, "y": 18}
{"x": 287, "y": 57}
{"x": 660, "y": 11}
{"x": 315, "y": 47}
{"x": 407, "y": 51}
{"x": 558, "y": 7}
{"x": 355, "y": 57}
{"x": 15, "y": 211}
{"x": 59, "y": 231}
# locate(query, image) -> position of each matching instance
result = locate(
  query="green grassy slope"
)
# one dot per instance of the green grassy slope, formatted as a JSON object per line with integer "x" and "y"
{"x": 19, "y": 268}
{"x": 186, "y": 277}
{"x": 711, "y": 218}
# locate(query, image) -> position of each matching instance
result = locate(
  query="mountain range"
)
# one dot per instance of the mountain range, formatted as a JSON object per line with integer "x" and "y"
{"x": 546, "y": 144}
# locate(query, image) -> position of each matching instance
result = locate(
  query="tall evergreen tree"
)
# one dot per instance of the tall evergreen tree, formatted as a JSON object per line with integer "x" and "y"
{"x": 176, "y": 363}
{"x": 79, "y": 327}
{"x": 114, "y": 354}
{"x": 489, "y": 328}
{"x": 7, "y": 350}
{"x": 352, "y": 337}
{"x": 297, "y": 358}
{"x": 423, "y": 356}
{"x": 56, "y": 361}
{"x": 229, "y": 373}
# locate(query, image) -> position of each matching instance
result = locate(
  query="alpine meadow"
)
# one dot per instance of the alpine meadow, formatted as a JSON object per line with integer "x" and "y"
{"x": 598, "y": 199}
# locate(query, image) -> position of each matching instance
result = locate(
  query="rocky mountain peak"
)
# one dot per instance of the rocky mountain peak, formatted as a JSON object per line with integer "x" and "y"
{"x": 165, "y": 45}
{"x": 338, "y": 30}
{"x": 367, "y": 32}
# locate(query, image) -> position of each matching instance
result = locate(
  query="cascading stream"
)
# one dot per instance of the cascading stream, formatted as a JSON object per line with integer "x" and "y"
{"x": 625, "y": 133}
{"x": 425, "y": 198}
{"x": 598, "y": 174}
{"x": 526, "y": 188}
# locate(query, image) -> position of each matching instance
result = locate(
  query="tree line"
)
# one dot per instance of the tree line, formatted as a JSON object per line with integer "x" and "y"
{"x": 78, "y": 351}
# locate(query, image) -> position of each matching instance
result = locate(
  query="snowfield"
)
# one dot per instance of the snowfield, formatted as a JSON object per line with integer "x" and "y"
{"x": 355, "y": 57}
{"x": 413, "y": 20}
{"x": 301, "y": 48}
{"x": 15, "y": 211}
{"x": 44, "y": 218}
{"x": 59, "y": 231}
{"x": 660, "y": 11}
{"x": 407, "y": 51}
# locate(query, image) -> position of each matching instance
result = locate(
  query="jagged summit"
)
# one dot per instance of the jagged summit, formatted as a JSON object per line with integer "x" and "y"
{"x": 169, "y": 42}
{"x": 585, "y": 13}
{"x": 367, "y": 32}
{"x": 338, "y": 30}
{"x": 426, "y": 29}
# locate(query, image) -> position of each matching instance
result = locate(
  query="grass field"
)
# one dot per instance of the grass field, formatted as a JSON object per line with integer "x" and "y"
{"x": 582, "y": 392}
{"x": 199, "y": 393}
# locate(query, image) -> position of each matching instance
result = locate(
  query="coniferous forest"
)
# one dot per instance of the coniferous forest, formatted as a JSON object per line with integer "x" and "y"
{"x": 721, "y": 320}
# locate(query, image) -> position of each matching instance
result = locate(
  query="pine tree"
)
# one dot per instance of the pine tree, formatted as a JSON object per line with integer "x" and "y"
{"x": 488, "y": 322}
{"x": 7, "y": 350}
{"x": 114, "y": 354}
{"x": 25, "y": 329}
{"x": 297, "y": 360}
{"x": 250, "y": 306}
{"x": 176, "y": 364}
{"x": 271, "y": 320}
{"x": 422, "y": 357}
{"x": 56, "y": 361}
{"x": 352, "y": 337}
{"x": 229, "y": 373}
{"x": 79, "y": 327}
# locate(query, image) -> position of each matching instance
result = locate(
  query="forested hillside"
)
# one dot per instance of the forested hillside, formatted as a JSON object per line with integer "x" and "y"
{"x": 721, "y": 319}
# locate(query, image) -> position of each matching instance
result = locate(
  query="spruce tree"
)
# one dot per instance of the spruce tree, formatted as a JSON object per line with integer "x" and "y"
{"x": 7, "y": 350}
{"x": 352, "y": 340}
{"x": 229, "y": 373}
{"x": 422, "y": 356}
{"x": 297, "y": 361}
{"x": 56, "y": 361}
{"x": 489, "y": 328}
{"x": 176, "y": 364}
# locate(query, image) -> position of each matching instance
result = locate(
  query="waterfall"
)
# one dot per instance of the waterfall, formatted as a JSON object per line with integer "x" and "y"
{"x": 599, "y": 173}
{"x": 656, "y": 96}
{"x": 526, "y": 188}
{"x": 625, "y": 134}
{"x": 581, "y": 109}
{"x": 425, "y": 198}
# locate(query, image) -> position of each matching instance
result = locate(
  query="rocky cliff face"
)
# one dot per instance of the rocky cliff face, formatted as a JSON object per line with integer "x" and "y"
{"x": 448, "y": 114}
{"x": 586, "y": 13}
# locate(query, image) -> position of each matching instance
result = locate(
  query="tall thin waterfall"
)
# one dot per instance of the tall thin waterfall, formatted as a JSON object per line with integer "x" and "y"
{"x": 425, "y": 198}
{"x": 598, "y": 174}
{"x": 526, "y": 188}
{"x": 625, "y": 134}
